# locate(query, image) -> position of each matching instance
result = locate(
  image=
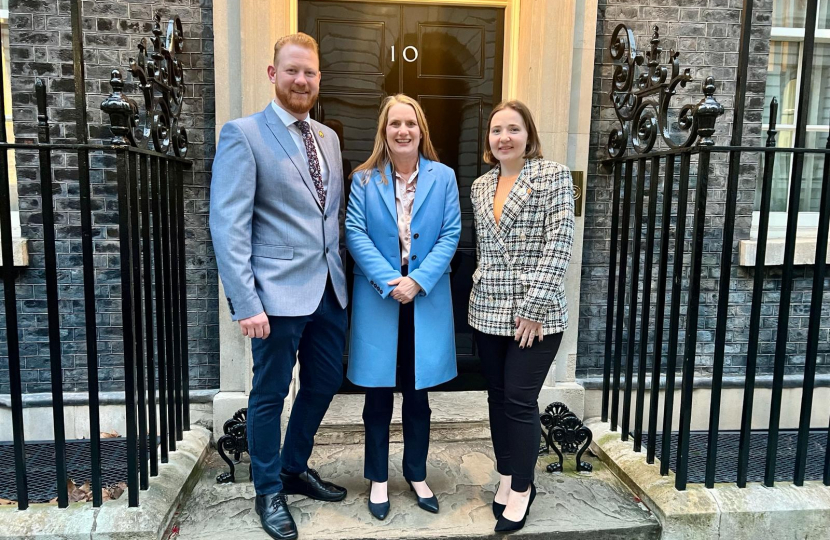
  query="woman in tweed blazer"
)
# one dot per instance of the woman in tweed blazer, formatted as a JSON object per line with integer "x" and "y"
{"x": 524, "y": 221}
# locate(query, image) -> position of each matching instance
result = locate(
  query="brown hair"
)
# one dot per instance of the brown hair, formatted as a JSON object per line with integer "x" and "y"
{"x": 381, "y": 157}
{"x": 301, "y": 39}
{"x": 534, "y": 146}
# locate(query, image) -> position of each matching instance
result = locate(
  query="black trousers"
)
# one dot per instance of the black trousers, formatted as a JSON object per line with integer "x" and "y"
{"x": 514, "y": 379}
{"x": 377, "y": 413}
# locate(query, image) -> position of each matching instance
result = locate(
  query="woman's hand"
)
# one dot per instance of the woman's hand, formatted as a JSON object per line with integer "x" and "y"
{"x": 527, "y": 331}
{"x": 405, "y": 289}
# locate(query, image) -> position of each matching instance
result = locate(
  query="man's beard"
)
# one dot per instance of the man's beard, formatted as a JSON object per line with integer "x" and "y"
{"x": 296, "y": 103}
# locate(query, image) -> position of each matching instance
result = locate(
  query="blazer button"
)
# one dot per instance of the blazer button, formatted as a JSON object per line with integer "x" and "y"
{"x": 414, "y": 257}
{"x": 325, "y": 218}
{"x": 416, "y": 236}
{"x": 327, "y": 250}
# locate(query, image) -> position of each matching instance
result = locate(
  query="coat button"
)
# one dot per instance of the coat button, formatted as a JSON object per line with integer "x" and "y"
{"x": 325, "y": 218}
{"x": 416, "y": 236}
{"x": 327, "y": 250}
{"x": 414, "y": 257}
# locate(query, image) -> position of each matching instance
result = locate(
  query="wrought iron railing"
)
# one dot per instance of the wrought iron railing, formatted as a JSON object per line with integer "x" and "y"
{"x": 149, "y": 151}
{"x": 642, "y": 99}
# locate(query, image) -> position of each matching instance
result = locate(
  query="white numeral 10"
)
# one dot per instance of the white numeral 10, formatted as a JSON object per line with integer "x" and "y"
{"x": 407, "y": 52}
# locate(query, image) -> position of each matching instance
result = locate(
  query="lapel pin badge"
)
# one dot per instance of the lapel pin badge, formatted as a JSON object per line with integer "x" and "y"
{"x": 321, "y": 133}
{"x": 529, "y": 191}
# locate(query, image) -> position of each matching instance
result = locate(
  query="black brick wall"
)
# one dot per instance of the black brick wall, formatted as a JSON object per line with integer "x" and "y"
{"x": 706, "y": 33}
{"x": 41, "y": 46}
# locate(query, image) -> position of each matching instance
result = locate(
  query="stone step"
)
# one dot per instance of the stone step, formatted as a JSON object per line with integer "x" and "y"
{"x": 568, "y": 506}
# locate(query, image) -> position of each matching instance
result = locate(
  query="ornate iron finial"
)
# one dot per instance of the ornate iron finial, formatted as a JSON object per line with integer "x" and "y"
{"x": 706, "y": 113}
{"x": 642, "y": 99}
{"x": 773, "y": 120}
{"x": 122, "y": 110}
{"x": 160, "y": 77}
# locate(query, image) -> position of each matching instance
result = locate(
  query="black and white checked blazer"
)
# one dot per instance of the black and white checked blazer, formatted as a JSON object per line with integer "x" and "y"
{"x": 522, "y": 260}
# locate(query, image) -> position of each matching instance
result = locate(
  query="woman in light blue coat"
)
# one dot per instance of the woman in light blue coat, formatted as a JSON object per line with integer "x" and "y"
{"x": 402, "y": 228}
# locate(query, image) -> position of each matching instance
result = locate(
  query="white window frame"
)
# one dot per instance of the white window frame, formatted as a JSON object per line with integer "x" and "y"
{"x": 807, "y": 221}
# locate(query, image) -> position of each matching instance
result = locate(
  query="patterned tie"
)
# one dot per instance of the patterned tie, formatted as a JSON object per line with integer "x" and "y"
{"x": 313, "y": 161}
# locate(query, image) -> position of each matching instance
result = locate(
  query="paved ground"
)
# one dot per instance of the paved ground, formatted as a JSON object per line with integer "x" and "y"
{"x": 568, "y": 505}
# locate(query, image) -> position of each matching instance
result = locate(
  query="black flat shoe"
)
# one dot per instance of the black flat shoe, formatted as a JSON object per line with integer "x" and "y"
{"x": 504, "y": 525}
{"x": 310, "y": 484}
{"x": 430, "y": 504}
{"x": 498, "y": 508}
{"x": 378, "y": 510}
{"x": 275, "y": 518}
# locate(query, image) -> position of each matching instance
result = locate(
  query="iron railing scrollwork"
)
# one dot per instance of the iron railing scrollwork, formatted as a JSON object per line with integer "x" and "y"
{"x": 160, "y": 77}
{"x": 642, "y": 92}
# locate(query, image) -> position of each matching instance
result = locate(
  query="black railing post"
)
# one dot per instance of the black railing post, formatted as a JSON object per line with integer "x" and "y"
{"x": 789, "y": 245}
{"x": 173, "y": 206}
{"x": 674, "y": 311}
{"x": 757, "y": 299}
{"x": 819, "y": 272}
{"x": 127, "y": 314}
{"x": 626, "y": 209}
{"x": 185, "y": 355}
{"x": 612, "y": 273}
{"x": 160, "y": 312}
{"x": 690, "y": 348}
{"x": 164, "y": 196}
{"x": 654, "y": 180}
{"x": 726, "y": 249}
{"x": 633, "y": 297}
{"x": 148, "y": 313}
{"x": 53, "y": 309}
{"x": 138, "y": 320}
{"x": 660, "y": 311}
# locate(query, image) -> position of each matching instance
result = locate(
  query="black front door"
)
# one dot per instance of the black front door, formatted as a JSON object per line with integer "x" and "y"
{"x": 450, "y": 60}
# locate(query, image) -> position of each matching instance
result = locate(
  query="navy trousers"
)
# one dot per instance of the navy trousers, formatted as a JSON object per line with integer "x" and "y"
{"x": 377, "y": 412}
{"x": 319, "y": 339}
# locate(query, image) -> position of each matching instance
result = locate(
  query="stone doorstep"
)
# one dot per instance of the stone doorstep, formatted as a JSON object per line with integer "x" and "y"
{"x": 568, "y": 506}
{"x": 114, "y": 520}
{"x": 727, "y": 512}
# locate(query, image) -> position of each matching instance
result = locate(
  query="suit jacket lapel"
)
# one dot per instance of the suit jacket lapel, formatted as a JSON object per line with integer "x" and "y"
{"x": 387, "y": 191}
{"x": 426, "y": 179}
{"x": 489, "y": 218}
{"x": 516, "y": 199}
{"x": 281, "y": 133}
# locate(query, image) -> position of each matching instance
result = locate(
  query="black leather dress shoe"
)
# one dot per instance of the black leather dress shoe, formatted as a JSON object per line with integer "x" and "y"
{"x": 430, "y": 504}
{"x": 275, "y": 518}
{"x": 310, "y": 484}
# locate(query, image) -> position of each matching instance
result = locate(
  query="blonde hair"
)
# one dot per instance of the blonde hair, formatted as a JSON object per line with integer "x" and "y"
{"x": 300, "y": 39}
{"x": 534, "y": 146}
{"x": 381, "y": 157}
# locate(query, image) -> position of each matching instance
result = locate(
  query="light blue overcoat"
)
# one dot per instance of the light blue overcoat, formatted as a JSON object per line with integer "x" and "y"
{"x": 372, "y": 239}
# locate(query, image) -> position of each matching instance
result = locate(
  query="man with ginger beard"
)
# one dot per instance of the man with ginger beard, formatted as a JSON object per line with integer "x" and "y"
{"x": 276, "y": 212}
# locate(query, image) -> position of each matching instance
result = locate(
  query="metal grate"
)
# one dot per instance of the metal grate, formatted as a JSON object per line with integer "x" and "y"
{"x": 40, "y": 466}
{"x": 727, "y": 465}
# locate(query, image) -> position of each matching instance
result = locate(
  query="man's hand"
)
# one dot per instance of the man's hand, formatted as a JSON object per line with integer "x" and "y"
{"x": 256, "y": 326}
{"x": 526, "y": 331}
{"x": 405, "y": 289}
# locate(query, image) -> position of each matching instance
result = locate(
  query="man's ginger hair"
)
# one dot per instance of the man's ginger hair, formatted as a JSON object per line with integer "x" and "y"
{"x": 301, "y": 39}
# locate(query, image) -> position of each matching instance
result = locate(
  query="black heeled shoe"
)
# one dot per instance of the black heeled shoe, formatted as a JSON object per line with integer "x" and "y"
{"x": 378, "y": 510}
{"x": 430, "y": 504}
{"x": 498, "y": 508}
{"x": 505, "y": 525}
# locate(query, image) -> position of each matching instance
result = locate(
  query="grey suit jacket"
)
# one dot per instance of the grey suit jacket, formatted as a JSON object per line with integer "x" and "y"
{"x": 275, "y": 245}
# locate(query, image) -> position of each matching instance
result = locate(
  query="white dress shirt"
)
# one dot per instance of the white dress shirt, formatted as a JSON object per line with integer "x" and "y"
{"x": 290, "y": 122}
